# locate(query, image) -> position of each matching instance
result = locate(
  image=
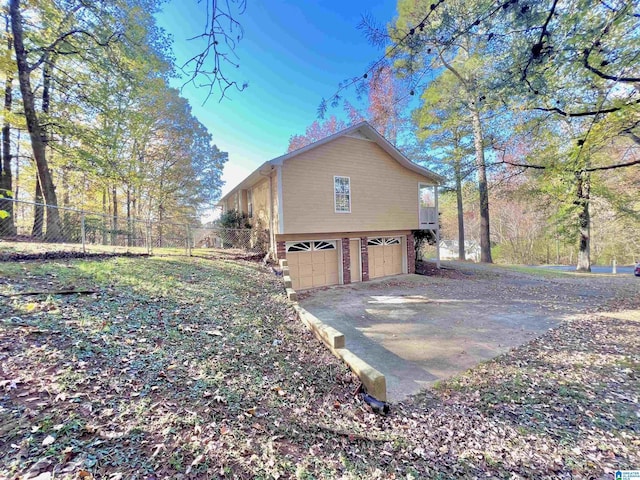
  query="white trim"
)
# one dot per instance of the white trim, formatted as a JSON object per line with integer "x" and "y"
{"x": 335, "y": 242}
{"x": 428, "y": 226}
{"x": 335, "y": 205}
{"x": 280, "y": 203}
{"x": 340, "y": 263}
{"x": 420, "y": 184}
{"x": 359, "y": 136}
{"x": 405, "y": 254}
{"x": 383, "y": 239}
{"x": 272, "y": 234}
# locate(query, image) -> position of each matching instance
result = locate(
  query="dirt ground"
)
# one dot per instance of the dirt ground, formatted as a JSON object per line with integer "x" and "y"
{"x": 420, "y": 329}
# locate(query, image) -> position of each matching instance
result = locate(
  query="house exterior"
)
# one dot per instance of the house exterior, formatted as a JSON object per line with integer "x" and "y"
{"x": 449, "y": 250}
{"x": 342, "y": 209}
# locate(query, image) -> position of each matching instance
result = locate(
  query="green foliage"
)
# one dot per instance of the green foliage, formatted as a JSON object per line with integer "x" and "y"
{"x": 421, "y": 238}
{"x": 234, "y": 219}
{"x": 115, "y": 126}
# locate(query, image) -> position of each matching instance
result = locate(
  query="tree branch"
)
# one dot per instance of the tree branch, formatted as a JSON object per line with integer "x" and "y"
{"x": 52, "y": 47}
{"x": 606, "y": 76}
{"x": 523, "y": 165}
{"x": 536, "y": 49}
{"x": 585, "y": 113}
{"x": 611, "y": 167}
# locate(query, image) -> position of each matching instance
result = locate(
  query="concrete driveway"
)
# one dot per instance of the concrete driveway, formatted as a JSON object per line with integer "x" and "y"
{"x": 417, "y": 329}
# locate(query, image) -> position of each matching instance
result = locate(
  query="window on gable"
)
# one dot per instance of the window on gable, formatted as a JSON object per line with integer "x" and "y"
{"x": 342, "y": 194}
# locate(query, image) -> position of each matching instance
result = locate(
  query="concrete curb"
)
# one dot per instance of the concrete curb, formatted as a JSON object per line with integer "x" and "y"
{"x": 374, "y": 382}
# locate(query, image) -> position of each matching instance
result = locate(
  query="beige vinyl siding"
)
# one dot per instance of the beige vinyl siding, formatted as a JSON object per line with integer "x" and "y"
{"x": 274, "y": 196}
{"x": 244, "y": 206}
{"x": 261, "y": 203}
{"x": 384, "y": 194}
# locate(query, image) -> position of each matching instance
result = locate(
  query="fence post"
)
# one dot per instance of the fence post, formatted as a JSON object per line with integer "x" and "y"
{"x": 188, "y": 244}
{"x": 83, "y": 233}
{"x": 614, "y": 268}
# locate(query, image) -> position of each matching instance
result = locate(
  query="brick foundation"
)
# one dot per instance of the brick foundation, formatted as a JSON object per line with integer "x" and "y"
{"x": 346, "y": 261}
{"x": 411, "y": 254}
{"x": 364, "y": 251}
{"x": 281, "y": 250}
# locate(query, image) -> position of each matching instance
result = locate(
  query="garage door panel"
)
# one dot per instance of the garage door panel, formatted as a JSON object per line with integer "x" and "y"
{"x": 304, "y": 270}
{"x": 385, "y": 257}
{"x": 319, "y": 268}
{"x": 305, "y": 282}
{"x": 304, "y": 258}
{"x": 332, "y": 267}
{"x": 313, "y": 264}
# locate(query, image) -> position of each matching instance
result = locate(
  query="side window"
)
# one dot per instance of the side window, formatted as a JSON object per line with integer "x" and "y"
{"x": 342, "y": 194}
{"x": 250, "y": 203}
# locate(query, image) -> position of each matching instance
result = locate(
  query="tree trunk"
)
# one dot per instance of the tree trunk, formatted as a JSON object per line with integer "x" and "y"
{"x": 458, "y": 175}
{"x": 67, "y": 221}
{"x": 7, "y": 225}
{"x": 38, "y": 212}
{"x": 160, "y": 220}
{"x": 583, "y": 194}
{"x": 128, "y": 216}
{"x": 483, "y": 190}
{"x": 54, "y": 230}
{"x": 114, "y": 222}
{"x": 103, "y": 223}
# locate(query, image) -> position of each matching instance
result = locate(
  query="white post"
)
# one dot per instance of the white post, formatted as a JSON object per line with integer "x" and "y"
{"x": 614, "y": 269}
{"x": 437, "y": 248}
{"x": 437, "y": 229}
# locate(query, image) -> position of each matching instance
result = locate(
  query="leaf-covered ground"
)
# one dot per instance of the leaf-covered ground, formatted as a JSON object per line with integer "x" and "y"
{"x": 196, "y": 368}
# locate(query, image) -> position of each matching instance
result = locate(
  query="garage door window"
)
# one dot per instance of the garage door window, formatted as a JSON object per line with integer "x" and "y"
{"x": 383, "y": 241}
{"x": 311, "y": 246}
{"x": 299, "y": 247}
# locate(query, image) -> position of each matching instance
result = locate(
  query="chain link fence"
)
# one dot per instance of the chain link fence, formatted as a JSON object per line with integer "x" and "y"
{"x": 94, "y": 232}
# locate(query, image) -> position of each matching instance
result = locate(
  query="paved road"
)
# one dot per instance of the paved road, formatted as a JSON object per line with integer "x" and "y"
{"x": 417, "y": 329}
{"x": 621, "y": 270}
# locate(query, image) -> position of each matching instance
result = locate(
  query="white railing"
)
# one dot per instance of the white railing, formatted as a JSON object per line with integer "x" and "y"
{"x": 428, "y": 217}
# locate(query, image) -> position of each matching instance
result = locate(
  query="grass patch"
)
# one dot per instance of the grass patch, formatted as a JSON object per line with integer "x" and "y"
{"x": 198, "y": 368}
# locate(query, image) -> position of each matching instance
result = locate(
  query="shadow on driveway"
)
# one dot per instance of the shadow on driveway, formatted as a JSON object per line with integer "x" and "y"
{"x": 418, "y": 329}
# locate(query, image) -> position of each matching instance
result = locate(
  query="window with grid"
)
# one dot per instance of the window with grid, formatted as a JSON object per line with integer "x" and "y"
{"x": 342, "y": 194}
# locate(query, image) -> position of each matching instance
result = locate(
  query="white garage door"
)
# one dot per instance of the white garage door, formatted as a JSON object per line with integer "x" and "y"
{"x": 313, "y": 263}
{"x": 385, "y": 256}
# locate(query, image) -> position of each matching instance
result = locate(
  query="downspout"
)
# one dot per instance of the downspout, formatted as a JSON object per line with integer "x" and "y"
{"x": 272, "y": 237}
{"x": 272, "y": 233}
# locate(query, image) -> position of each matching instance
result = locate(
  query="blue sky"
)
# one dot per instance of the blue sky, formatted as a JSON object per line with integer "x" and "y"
{"x": 293, "y": 54}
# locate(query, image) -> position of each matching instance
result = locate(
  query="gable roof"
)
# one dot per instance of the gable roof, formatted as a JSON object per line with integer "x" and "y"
{"x": 363, "y": 130}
